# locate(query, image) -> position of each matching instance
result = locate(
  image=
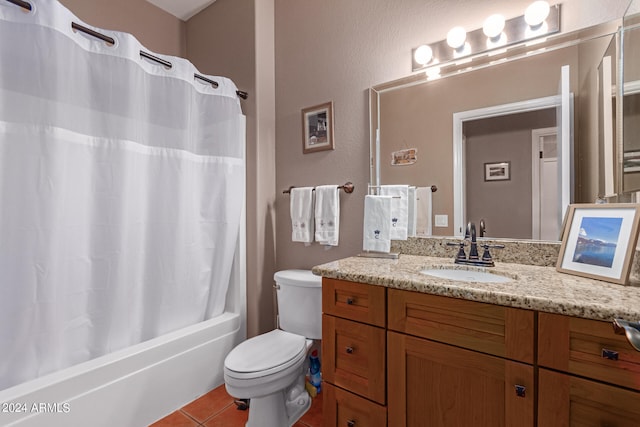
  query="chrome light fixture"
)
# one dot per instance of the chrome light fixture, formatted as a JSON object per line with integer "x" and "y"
{"x": 539, "y": 20}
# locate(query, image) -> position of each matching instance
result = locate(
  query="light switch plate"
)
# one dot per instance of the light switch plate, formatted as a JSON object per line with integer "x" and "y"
{"x": 442, "y": 220}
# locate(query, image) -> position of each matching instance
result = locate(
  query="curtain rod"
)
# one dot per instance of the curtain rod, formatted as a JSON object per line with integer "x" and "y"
{"x": 22, "y": 4}
{"x": 111, "y": 41}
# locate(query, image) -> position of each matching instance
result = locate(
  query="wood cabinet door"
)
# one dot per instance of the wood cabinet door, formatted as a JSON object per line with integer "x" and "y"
{"x": 438, "y": 385}
{"x": 565, "y": 400}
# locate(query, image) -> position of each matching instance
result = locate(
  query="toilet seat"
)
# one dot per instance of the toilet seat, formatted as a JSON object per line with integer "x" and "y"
{"x": 265, "y": 355}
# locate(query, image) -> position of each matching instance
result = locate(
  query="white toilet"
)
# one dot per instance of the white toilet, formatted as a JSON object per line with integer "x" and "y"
{"x": 270, "y": 368}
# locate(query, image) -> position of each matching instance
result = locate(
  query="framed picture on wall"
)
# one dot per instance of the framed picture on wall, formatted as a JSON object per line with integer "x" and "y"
{"x": 598, "y": 241}
{"x": 498, "y": 171}
{"x": 317, "y": 128}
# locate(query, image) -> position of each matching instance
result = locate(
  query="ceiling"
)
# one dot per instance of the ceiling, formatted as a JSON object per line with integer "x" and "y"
{"x": 182, "y": 9}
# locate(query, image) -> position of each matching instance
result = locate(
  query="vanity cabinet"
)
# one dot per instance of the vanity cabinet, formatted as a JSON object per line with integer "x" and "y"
{"x": 405, "y": 358}
{"x": 453, "y": 362}
{"x": 588, "y": 375}
{"x": 354, "y": 360}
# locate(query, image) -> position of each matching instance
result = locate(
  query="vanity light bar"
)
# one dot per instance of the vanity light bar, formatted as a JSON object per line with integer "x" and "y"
{"x": 516, "y": 32}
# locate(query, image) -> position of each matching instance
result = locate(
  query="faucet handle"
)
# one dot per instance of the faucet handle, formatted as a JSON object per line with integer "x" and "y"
{"x": 486, "y": 256}
{"x": 461, "y": 254}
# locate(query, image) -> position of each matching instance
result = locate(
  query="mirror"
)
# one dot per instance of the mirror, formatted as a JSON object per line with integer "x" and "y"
{"x": 631, "y": 100}
{"x": 418, "y": 113}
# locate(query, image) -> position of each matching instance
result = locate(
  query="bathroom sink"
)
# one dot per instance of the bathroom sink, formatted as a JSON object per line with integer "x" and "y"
{"x": 465, "y": 275}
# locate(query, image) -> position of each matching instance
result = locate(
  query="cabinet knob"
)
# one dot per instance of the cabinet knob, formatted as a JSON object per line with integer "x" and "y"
{"x": 609, "y": 354}
{"x": 521, "y": 390}
{"x": 351, "y": 423}
{"x": 350, "y": 301}
{"x": 349, "y": 350}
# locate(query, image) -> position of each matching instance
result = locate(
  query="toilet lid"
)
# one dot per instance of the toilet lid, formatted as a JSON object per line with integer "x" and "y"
{"x": 266, "y": 351}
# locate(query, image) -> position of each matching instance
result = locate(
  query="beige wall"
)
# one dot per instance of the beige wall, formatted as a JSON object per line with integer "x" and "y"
{"x": 156, "y": 29}
{"x": 334, "y": 52}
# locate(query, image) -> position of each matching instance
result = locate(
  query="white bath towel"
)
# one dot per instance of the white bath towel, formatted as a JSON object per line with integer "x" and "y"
{"x": 377, "y": 224}
{"x": 424, "y": 211}
{"x": 413, "y": 210}
{"x": 327, "y": 215}
{"x": 301, "y": 209}
{"x": 399, "y": 209}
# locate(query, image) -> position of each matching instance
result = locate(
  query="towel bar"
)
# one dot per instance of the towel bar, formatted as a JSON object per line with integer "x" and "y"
{"x": 348, "y": 188}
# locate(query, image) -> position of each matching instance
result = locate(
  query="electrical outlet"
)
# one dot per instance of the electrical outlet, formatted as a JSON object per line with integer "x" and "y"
{"x": 442, "y": 220}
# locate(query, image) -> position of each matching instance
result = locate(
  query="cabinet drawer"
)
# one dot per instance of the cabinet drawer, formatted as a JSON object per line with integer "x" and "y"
{"x": 354, "y": 357}
{"x": 343, "y": 409}
{"x": 500, "y": 331}
{"x": 354, "y": 301}
{"x": 566, "y": 400}
{"x": 588, "y": 348}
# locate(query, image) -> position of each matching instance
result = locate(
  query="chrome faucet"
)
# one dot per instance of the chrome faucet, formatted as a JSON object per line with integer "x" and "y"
{"x": 474, "y": 258}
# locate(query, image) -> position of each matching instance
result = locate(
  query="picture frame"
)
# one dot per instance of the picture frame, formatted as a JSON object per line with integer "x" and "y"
{"x": 599, "y": 241}
{"x": 497, "y": 171}
{"x": 317, "y": 128}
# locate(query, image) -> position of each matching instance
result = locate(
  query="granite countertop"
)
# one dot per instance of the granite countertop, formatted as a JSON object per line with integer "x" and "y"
{"x": 532, "y": 287}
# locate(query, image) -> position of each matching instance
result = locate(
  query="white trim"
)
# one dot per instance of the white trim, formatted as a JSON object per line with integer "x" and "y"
{"x": 536, "y": 135}
{"x": 607, "y": 112}
{"x": 458, "y": 152}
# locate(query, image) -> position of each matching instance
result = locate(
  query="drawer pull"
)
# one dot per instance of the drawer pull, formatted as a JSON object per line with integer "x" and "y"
{"x": 349, "y": 350}
{"x": 609, "y": 354}
{"x": 521, "y": 390}
{"x": 350, "y": 301}
{"x": 351, "y": 423}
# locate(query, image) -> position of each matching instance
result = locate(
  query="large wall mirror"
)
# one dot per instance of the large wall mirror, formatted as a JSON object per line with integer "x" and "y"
{"x": 536, "y": 111}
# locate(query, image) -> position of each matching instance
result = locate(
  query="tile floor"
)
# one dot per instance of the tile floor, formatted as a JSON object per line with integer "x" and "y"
{"x": 216, "y": 409}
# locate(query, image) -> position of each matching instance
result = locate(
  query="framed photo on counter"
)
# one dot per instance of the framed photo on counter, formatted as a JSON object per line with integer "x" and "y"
{"x": 599, "y": 240}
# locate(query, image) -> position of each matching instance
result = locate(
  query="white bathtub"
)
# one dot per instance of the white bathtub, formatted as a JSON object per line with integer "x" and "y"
{"x": 139, "y": 385}
{"x": 133, "y": 387}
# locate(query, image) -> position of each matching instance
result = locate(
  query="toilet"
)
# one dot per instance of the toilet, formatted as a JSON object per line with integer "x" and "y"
{"x": 270, "y": 368}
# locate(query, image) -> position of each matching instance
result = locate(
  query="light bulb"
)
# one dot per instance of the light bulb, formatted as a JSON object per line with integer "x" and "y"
{"x": 456, "y": 37}
{"x": 493, "y": 26}
{"x": 423, "y": 54}
{"x": 536, "y": 13}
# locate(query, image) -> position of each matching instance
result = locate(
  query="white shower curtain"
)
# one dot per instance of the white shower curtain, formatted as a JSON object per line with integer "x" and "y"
{"x": 121, "y": 192}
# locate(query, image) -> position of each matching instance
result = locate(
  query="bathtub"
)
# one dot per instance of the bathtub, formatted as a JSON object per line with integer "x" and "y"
{"x": 139, "y": 385}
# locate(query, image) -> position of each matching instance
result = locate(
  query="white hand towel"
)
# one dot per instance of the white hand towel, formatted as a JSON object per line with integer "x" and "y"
{"x": 301, "y": 209}
{"x": 424, "y": 211}
{"x": 399, "y": 209}
{"x": 377, "y": 224}
{"x": 413, "y": 210}
{"x": 327, "y": 215}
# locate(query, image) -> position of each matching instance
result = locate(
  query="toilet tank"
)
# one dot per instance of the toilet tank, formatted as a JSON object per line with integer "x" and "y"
{"x": 299, "y": 295}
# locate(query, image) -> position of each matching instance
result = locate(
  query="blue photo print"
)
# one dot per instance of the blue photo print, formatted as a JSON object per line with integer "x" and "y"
{"x": 597, "y": 241}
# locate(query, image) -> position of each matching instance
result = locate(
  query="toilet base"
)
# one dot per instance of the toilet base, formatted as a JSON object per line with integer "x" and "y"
{"x": 280, "y": 409}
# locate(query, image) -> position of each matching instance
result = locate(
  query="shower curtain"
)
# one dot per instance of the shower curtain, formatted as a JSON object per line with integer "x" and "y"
{"x": 121, "y": 192}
